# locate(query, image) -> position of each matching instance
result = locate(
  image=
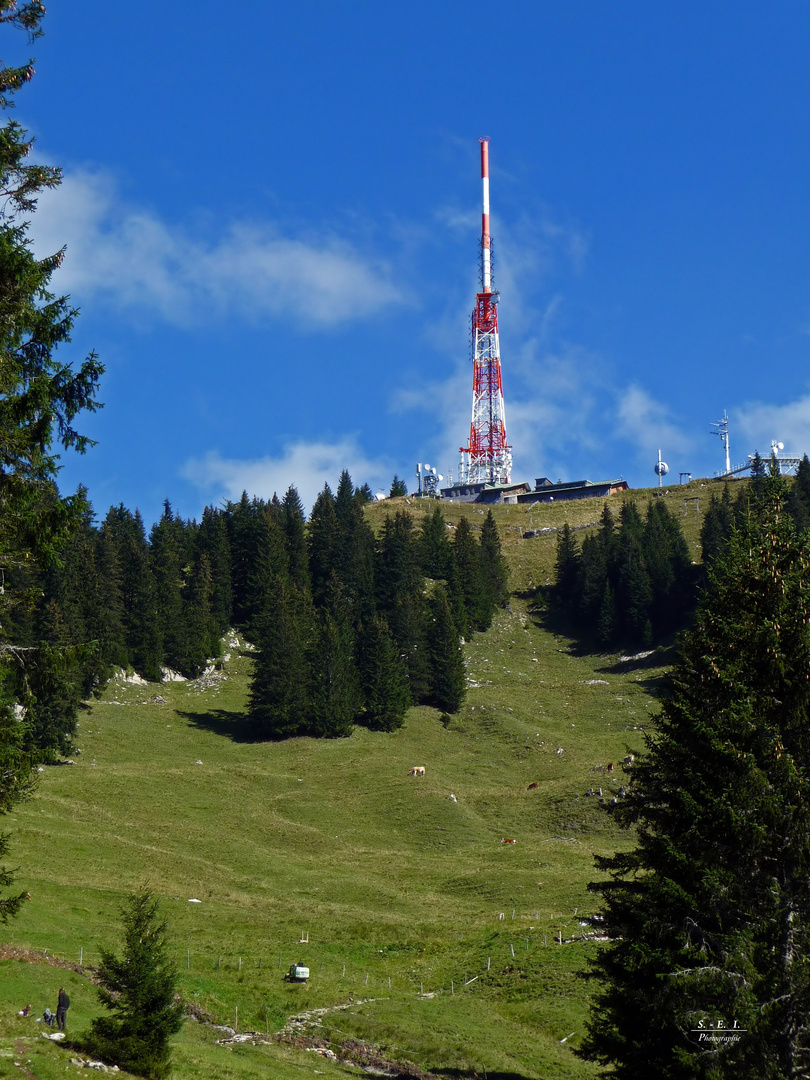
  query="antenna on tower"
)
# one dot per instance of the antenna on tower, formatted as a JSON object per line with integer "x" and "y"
{"x": 488, "y": 457}
{"x": 722, "y": 431}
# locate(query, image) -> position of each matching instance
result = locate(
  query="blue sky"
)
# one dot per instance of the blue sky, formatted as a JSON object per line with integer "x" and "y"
{"x": 272, "y": 222}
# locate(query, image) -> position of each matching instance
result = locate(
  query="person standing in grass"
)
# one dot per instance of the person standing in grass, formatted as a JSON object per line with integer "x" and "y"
{"x": 62, "y": 1006}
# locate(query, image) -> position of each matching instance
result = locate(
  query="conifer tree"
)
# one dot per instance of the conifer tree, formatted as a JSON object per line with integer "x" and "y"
{"x": 467, "y": 557}
{"x": 566, "y": 570}
{"x": 398, "y": 488}
{"x": 448, "y": 678}
{"x": 334, "y": 689}
{"x": 709, "y": 915}
{"x": 212, "y": 541}
{"x": 293, "y": 522}
{"x": 384, "y": 678}
{"x": 323, "y": 539}
{"x": 798, "y": 503}
{"x": 143, "y": 638}
{"x": 139, "y": 991}
{"x": 279, "y": 704}
{"x": 494, "y": 574}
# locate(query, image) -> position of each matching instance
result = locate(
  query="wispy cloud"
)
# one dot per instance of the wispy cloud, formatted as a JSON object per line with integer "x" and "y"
{"x": 306, "y": 465}
{"x": 137, "y": 261}
{"x": 755, "y": 424}
{"x": 646, "y": 424}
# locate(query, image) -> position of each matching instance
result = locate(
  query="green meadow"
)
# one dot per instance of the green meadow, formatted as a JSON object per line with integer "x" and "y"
{"x": 427, "y": 937}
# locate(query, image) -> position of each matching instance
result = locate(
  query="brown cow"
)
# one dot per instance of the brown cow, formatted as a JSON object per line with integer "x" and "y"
{"x": 534, "y": 784}
{"x": 505, "y": 841}
{"x": 417, "y": 770}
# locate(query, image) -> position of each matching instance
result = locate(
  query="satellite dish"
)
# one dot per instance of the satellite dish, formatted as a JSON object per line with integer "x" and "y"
{"x": 661, "y": 468}
{"x": 440, "y": 478}
{"x": 427, "y": 466}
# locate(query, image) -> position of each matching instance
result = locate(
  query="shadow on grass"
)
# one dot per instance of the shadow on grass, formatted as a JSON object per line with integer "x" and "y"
{"x": 473, "y": 1074}
{"x": 233, "y": 725}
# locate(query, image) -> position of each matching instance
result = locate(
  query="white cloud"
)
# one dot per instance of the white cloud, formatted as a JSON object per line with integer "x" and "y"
{"x": 755, "y": 424}
{"x": 645, "y": 423}
{"x": 306, "y": 465}
{"x": 140, "y": 262}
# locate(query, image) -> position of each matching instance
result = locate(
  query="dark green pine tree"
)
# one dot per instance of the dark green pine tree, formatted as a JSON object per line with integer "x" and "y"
{"x": 202, "y": 638}
{"x": 353, "y": 557}
{"x": 469, "y": 573}
{"x": 167, "y": 559}
{"x": 139, "y": 991}
{"x": 448, "y": 677}
{"x": 718, "y": 524}
{"x": 269, "y": 562}
{"x": 212, "y": 541}
{"x": 384, "y": 678}
{"x": 335, "y": 698}
{"x": 798, "y": 503}
{"x": 40, "y": 400}
{"x": 400, "y": 586}
{"x": 708, "y": 916}
{"x": 398, "y": 488}
{"x": 592, "y": 578}
{"x": 323, "y": 540}
{"x": 279, "y": 702}
{"x": 242, "y": 523}
{"x": 293, "y": 522}
{"x": 494, "y": 572}
{"x": 566, "y": 572}
{"x": 144, "y": 644}
{"x": 759, "y": 472}
{"x": 435, "y": 549}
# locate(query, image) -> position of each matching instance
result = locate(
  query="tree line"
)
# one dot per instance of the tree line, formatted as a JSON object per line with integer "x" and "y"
{"x": 348, "y": 627}
{"x": 632, "y": 581}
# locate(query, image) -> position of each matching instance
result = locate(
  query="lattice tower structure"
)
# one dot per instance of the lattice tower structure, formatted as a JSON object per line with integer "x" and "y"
{"x": 488, "y": 457}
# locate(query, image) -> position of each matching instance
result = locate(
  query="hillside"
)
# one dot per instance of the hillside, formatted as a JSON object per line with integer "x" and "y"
{"x": 404, "y": 894}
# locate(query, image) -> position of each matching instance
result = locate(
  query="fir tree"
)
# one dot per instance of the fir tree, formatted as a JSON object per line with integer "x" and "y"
{"x": 798, "y": 503}
{"x": 709, "y": 915}
{"x": 467, "y": 556}
{"x": 494, "y": 573}
{"x": 279, "y": 703}
{"x": 384, "y": 678}
{"x": 398, "y": 488}
{"x": 334, "y": 691}
{"x": 448, "y": 679}
{"x": 566, "y": 570}
{"x": 212, "y": 541}
{"x": 139, "y": 991}
{"x": 40, "y": 399}
{"x": 293, "y": 522}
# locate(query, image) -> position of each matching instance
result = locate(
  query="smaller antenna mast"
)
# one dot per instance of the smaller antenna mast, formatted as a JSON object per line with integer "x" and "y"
{"x": 722, "y": 431}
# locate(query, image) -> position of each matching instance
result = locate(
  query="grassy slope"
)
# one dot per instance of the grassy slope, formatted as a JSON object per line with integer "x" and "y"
{"x": 390, "y": 878}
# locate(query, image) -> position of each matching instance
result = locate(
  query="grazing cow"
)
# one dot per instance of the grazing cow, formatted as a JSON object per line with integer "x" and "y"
{"x": 534, "y": 784}
{"x": 417, "y": 770}
{"x": 453, "y": 798}
{"x": 610, "y": 766}
{"x": 505, "y": 841}
{"x": 629, "y": 759}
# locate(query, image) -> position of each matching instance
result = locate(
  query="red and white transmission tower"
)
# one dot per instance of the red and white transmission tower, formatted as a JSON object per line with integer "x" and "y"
{"x": 488, "y": 458}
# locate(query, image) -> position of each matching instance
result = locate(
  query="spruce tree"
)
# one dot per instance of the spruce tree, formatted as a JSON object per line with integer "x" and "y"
{"x": 448, "y": 677}
{"x": 708, "y": 915}
{"x": 467, "y": 556}
{"x": 279, "y": 705}
{"x": 566, "y": 571}
{"x": 384, "y": 678}
{"x": 398, "y": 488}
{"x": 40, "y": 399}
{"x": 139, "y": 991}
{"x": 494, "y": 573}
